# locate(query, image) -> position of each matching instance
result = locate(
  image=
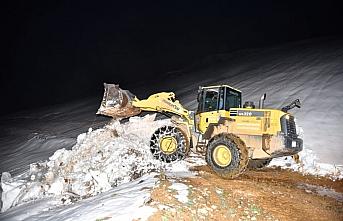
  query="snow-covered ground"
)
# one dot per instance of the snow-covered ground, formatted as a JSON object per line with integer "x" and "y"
{"x": 107, "y": 172}
{"x": 125, "y": 202}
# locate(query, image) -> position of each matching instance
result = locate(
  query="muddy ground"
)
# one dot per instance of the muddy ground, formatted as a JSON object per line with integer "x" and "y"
{"x": 267, "y": 194}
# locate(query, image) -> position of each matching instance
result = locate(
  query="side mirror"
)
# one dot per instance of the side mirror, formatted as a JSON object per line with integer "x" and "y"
{"x": 295, "y": 103}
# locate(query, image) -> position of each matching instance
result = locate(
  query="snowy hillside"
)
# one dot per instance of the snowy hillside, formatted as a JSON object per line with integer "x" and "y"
{"x": 29, "y": 136}
{"x": 52, "y": 167}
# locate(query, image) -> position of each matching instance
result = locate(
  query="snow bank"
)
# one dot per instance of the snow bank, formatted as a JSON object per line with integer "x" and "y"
{"x": 309, "y": 165}
{"x": 101, "y": 159}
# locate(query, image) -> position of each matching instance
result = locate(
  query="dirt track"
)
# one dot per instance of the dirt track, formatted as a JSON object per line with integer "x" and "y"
{"x": 268, "y": 194}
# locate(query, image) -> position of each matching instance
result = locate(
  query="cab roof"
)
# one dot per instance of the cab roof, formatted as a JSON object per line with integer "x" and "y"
{"x": 218, "y": 86}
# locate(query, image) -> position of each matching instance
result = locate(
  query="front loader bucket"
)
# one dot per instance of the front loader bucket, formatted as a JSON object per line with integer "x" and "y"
{"x": 116, "y": 103}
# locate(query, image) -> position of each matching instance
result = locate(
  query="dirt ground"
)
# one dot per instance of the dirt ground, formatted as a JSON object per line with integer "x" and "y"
{"x": 267, "y": 194}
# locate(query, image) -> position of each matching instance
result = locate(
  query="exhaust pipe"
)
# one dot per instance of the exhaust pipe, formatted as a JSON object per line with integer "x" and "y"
{"x": 261, "y": 102}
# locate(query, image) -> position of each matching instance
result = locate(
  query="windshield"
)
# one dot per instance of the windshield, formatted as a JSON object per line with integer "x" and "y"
{"x": 211, "y": 100}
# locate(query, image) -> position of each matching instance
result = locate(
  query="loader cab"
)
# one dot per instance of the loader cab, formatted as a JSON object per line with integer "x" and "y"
{"x": 216, "y": 98}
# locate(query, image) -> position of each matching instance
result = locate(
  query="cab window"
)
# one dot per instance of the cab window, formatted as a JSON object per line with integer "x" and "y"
{"x": 233, "y": 99}
{"x": 211, "y": 100}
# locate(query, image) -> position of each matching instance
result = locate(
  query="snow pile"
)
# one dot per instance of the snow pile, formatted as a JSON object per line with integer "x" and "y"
{"x": 101, "y": 159}
{"x": 309, "y": 165}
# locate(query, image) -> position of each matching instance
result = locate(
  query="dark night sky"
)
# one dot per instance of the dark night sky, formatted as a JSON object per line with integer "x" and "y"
{"x": 57, "y": 51}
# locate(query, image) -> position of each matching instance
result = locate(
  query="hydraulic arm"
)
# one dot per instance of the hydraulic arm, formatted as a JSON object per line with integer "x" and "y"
{"x": 118, "y": 103}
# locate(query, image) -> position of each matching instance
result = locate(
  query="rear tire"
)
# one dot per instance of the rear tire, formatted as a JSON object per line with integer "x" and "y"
{"x": 227, "y": 155}
{"x": 165, "y": 137}
{"x": 258, "y": 164}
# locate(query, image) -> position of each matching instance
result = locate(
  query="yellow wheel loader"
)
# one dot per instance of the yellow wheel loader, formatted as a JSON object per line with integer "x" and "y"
{"x": 232, "y": 136}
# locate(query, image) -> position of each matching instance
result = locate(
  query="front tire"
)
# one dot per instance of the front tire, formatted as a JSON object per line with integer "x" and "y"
{"x": 168, "y": 144}
{"x": 227, "y": 155}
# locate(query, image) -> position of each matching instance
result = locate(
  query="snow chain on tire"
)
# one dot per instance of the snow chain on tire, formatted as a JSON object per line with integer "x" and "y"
{"x": 177, "y": 136}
